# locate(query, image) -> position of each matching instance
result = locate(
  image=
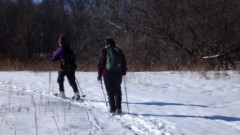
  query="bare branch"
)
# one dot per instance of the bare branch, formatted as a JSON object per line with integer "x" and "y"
{"x": 112, "y": 23}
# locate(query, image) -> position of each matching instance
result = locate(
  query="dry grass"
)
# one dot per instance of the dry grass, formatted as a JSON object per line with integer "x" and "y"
{"x": 16, "y": 65}
{"x": 44, "y": 65}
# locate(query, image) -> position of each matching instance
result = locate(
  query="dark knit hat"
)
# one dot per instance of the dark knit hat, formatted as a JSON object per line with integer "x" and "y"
{"x": 110, "y": 41}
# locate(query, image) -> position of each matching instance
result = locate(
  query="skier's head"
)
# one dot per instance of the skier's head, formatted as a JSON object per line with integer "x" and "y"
{"x": 110, "y": 41}
{"x": 62, "y": 40}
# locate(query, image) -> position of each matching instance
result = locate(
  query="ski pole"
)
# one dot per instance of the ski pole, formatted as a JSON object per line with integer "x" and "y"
{"x": 103, "y": 92}
{"x": 126, "y": 92}
{"x": 49, "y": 80}
{"x": 83, "y": 95}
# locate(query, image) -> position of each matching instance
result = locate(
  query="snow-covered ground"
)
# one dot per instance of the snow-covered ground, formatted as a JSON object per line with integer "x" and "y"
{"x": 160, "y": 103}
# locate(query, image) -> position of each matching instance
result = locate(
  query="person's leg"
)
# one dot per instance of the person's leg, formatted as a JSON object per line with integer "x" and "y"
{"x": 111, "y": 102}
{"x": 60, "y": 81}
{"x": 108, "y": 81}
{"x": 118, "y": 93}
{"x": 71, "y": 79}
{"x": 118, "y": 98}
{"x": 72, "y": 82}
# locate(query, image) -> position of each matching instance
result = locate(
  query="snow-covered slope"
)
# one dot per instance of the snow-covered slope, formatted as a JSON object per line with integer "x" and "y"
{"x": 160, "y": 103}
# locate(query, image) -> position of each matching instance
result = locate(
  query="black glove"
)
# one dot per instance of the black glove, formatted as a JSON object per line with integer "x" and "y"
{"x": 99, "y": 78}
{"x": 124, "y": 72}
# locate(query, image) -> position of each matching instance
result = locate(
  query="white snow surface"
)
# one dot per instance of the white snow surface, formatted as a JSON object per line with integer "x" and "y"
{"x": 159, "y": 103}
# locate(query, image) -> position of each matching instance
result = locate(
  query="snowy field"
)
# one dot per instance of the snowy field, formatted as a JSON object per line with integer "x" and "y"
{"x": 160, "y": 103}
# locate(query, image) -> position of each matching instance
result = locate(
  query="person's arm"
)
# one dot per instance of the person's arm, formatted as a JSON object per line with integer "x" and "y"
{"x": 56, "y": 55}
{"x": 101, "y": 63}
{"x": 124, "y": 64}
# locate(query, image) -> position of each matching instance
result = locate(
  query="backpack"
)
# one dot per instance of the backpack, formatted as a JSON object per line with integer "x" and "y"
{"x": 114, "y": 59}
{"x": 68, "y": 59}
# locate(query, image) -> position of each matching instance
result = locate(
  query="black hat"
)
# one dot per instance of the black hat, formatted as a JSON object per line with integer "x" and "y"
{"x": 110, "y": 41}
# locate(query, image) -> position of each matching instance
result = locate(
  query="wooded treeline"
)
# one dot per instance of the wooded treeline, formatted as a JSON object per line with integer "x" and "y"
{"x": 154, "y": 34}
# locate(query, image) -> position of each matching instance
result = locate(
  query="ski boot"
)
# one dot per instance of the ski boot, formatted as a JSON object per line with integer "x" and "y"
{"x": 76, "y": 96}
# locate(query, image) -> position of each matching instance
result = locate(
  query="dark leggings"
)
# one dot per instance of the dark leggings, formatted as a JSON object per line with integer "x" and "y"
{"x": 71, "y": 79}
{"x": 113, "y": 86}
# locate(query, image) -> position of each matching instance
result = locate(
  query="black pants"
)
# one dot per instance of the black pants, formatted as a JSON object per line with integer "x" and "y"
{"x": 71, "y": 79}
{"x": 113, "y": 86}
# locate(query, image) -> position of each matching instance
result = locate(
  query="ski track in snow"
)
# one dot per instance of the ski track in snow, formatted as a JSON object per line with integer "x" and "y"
{"x": 133, "y": 124}
{"x": 141, "y": 125}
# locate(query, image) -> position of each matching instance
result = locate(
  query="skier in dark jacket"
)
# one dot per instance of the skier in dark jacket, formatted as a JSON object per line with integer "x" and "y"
{"x": 112, "y": 79}
{"x": 67, "y": 59}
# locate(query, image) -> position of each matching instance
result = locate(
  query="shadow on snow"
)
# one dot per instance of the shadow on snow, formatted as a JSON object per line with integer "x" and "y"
{"x": 167, "y": 104}
{"x": 214, "y": 117}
